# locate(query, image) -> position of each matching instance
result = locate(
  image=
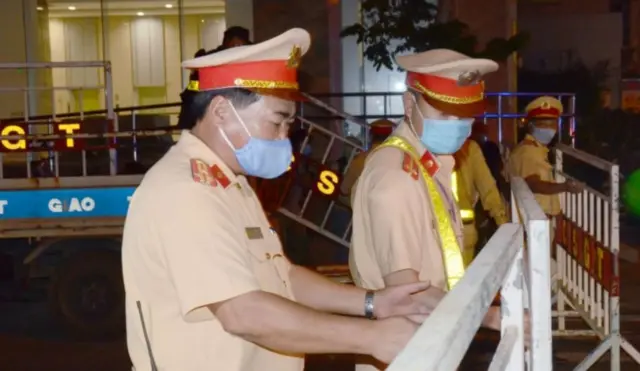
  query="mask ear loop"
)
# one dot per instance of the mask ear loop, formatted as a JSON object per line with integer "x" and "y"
{"x": 244, "y": 126}
{"x": 411, "y": 127}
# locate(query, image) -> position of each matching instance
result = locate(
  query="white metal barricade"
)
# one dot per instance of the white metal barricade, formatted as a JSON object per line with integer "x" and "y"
{"x": 526, "y": 210}
{"x": 442, "y": 340}
{"x": 587, "y": 254}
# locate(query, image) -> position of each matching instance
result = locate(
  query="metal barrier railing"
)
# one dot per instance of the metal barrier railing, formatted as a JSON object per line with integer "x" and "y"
{"x": 537, "y": 258}
{"x": 518, "y": 258}
{"x": 587, "y": 252}
{"x": 442, "y": 340}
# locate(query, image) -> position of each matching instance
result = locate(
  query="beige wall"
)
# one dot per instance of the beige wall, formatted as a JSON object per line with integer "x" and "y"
{"x": 21, "y": 44}
{"x": 120, "y": 54}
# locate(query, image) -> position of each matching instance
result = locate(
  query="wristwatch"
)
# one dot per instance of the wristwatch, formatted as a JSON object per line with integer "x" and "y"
{"x": 368, "y": 304}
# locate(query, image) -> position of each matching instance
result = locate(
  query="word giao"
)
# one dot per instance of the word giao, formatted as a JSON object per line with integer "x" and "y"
{"x": 74, "y": 204}
{"x": 21, "y": 144}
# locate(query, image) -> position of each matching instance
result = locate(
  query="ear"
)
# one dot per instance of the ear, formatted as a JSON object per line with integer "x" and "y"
{"x": 219, "y": 108}
{"x": 408, "y": 101}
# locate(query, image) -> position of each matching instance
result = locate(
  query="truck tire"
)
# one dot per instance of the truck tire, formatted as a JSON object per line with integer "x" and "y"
{"x": 87, "y": 294}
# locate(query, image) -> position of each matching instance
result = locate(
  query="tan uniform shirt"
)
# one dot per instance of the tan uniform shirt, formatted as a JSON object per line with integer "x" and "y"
{"x": 529, "y": 158}
{"x": 352, "y": 174}
{"x": 477, "y": 182}
{"x": 188, "y": 244}
{"x": 393, "y": 222}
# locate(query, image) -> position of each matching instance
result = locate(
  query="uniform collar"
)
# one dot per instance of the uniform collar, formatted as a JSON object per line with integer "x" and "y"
{"x": 530, "y": 140}
{"x": 430, "y": 161}
{"x": 196, "y": 149}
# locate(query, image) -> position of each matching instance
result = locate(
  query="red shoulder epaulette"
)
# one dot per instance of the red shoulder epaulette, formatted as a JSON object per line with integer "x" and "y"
{"x": 208, "y": 175}
{"x": 430, "y": 162}
{"x": 410, "y": 166}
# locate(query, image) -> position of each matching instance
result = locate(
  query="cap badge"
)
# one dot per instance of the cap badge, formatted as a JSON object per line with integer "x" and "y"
{"x": 545, "y": 105}
{"x": 294, "y": 57}
{"x": 469, "y": 78}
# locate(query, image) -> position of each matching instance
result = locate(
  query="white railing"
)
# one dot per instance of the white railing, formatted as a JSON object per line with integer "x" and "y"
{"x": 587, "y": 253}
{"x": 526, "y": 210}
{"x": 443, "y": 339}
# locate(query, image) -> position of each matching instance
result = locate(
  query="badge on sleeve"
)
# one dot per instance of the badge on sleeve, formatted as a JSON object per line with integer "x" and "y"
{"x": 202, "y": 173}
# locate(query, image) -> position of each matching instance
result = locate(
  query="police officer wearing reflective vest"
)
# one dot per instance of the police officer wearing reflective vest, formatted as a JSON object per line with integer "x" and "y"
{"x": 406, "y": 224}
{"x": 530, "y": 158}
{"x": 379, "y": 130}
{"x": 207, "y": 284}
{"x": 472, "y": 180}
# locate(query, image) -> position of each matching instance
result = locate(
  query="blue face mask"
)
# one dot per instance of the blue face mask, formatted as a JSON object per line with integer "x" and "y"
{"x": 263, "y": 158}
{"x": 444, "y": 137}
{"x": 543, "y": 135}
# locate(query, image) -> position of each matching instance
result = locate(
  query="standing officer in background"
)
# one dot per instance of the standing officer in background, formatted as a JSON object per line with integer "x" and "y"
{"x": 529, "y": 159}
{"x": 472, "y": 180}
{"x": 207, "y": 284}
{"x": 406, "y": 225}
{"x": 380, "y": 130}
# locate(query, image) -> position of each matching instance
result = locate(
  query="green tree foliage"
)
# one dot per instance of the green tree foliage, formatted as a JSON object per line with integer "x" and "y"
{"x": 389, "y": 28}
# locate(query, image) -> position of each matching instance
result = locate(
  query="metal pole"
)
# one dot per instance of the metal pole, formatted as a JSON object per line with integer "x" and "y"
{"x": 113, "y": 154}
{"x": 182, "y": 35}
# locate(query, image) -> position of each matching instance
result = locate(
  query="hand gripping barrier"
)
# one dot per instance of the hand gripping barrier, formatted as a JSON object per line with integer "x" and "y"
{"x": 522, "y": 268}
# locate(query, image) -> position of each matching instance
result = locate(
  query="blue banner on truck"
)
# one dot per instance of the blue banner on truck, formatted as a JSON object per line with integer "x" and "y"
{"x": 65, "y": 203}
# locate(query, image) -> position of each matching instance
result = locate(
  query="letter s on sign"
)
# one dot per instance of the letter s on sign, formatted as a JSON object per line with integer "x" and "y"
{"x": 327, "y": 183}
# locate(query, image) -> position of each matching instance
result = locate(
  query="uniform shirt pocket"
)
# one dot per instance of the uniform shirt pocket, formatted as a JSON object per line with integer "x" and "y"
{"x": 270, "y": 265}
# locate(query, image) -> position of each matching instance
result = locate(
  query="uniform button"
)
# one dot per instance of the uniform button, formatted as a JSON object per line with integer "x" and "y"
{"x": 267, "y": 255}
{"x": 429, "y": 163}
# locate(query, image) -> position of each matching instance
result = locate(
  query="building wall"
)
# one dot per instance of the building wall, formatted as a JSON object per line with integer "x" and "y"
{"x": 562, "y": 7}
{"x": 591, "y": 38}
{"x": 272, "y": 17}
{"x": 81, "y": 39}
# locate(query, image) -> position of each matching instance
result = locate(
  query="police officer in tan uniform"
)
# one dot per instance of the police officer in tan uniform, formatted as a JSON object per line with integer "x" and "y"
{"x": 472, "y": 182}
{"x": 530, "y": 158}
{"x": 207, "y": 284}
{"x": 406, "y": 225}
{"x": 380, "y": 130}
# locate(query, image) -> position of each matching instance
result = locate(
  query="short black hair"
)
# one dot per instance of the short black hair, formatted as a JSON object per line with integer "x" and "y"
{"x": 236, "y": 32}
{"x": 195, "y": 104}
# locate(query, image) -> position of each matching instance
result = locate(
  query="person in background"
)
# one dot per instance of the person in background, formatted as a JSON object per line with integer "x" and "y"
{"x": 484, "y": 222}
{"x": 529, "y": 159}
{"x": 234, "y": 36}
{"x": 379, "y": 131}
{"x": 472, "y": 182}
{"x": 490, "y": 151}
